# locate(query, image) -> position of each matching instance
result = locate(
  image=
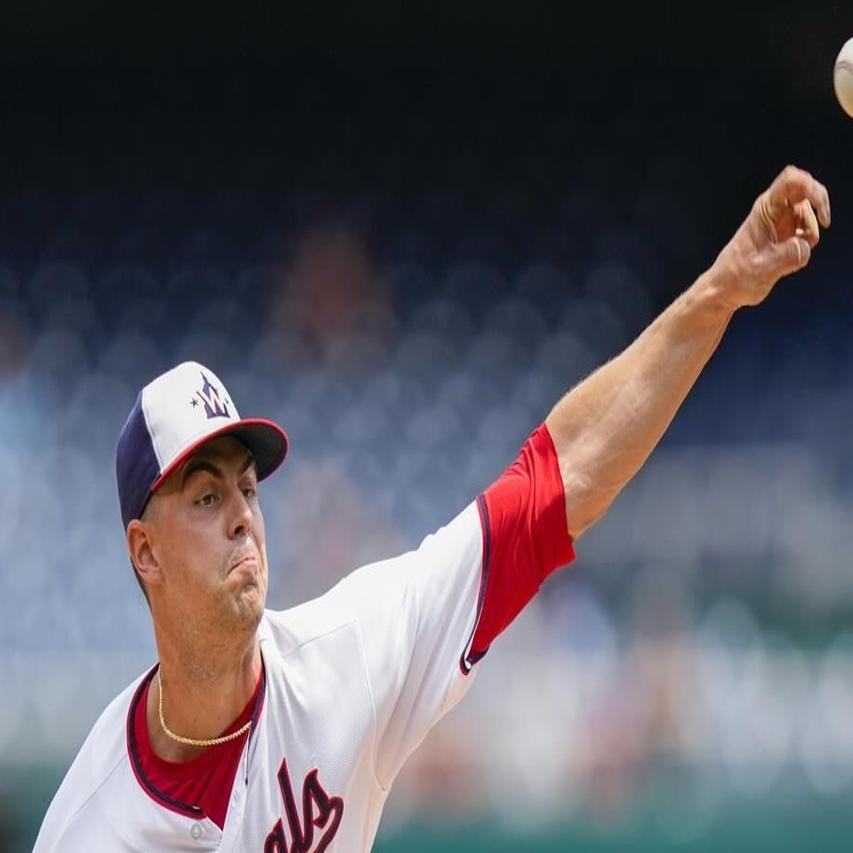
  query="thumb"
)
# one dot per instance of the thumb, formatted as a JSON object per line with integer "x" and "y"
{"x": 789, "y": 256}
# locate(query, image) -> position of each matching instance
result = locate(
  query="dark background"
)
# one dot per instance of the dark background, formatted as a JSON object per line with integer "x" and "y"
{"x": 348, "y": 99}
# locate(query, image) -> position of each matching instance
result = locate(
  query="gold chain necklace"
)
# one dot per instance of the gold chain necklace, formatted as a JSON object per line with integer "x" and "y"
{"x": 188, "y": 741}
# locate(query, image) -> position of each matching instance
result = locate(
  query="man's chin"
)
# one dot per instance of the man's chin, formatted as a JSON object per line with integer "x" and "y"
{"x": 249, "y": 605}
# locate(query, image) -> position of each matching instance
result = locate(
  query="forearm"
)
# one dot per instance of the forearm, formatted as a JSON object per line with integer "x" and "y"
{"x": 606, "y": 427}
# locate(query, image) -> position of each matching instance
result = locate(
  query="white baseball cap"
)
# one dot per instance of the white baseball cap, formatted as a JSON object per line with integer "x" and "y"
{"x": 172, "y": 417}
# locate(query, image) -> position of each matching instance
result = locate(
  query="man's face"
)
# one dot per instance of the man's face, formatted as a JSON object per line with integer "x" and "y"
{"x": 207, "y": 536}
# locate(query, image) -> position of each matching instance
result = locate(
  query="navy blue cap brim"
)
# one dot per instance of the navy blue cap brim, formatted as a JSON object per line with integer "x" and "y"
{"x": 266, "y": 440}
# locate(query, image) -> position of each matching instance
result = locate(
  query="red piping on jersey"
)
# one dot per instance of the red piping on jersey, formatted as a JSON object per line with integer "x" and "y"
{"x": 185, "y": 809}
{"x": 466, "y": 661}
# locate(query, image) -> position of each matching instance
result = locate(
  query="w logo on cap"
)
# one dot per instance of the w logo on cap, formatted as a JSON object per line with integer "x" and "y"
{"x": 215, "y": 406}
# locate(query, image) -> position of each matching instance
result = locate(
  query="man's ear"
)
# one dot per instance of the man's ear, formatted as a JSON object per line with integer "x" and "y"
{"x": 141, "y": 547}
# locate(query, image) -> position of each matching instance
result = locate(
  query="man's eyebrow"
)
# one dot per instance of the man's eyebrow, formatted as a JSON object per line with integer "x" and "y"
{"x": 197, "y": 465}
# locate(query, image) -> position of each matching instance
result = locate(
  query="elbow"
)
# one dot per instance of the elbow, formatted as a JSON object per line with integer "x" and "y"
{"x": 586, "y": 504}
{"x": 581, "y": 519}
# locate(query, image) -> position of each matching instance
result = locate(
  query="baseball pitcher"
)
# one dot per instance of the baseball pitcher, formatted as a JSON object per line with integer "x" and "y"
{"x": 282, "y": 732}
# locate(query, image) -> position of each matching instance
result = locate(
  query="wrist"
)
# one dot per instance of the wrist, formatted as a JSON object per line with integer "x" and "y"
{"x": 717, "y": 290}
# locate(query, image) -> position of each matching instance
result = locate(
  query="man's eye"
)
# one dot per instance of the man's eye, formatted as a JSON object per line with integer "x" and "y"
{"x": 207, "y": 500}
{"x": 250, "y": 491}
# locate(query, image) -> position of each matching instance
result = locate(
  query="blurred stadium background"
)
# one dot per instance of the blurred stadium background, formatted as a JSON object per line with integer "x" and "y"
{"x": 404, "y": 234}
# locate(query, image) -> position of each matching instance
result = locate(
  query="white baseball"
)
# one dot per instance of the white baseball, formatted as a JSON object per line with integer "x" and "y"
{"x": 843, "y": 77}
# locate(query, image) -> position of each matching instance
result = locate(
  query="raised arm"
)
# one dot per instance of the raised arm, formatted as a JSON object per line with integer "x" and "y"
{"x": 605, "y": 428}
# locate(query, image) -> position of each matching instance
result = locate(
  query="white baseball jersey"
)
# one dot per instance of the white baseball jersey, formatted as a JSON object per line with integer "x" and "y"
{"x": 354, "y": 680}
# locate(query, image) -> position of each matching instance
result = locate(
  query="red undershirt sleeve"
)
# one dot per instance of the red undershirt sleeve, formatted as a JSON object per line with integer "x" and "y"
{"x": 525, "y": 539}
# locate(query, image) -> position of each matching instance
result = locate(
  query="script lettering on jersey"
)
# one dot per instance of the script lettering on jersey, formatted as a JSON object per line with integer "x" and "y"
{"x": 319, "y": 811}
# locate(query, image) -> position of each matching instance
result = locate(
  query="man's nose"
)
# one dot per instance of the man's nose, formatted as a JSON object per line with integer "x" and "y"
{"x": 241, "y": 521}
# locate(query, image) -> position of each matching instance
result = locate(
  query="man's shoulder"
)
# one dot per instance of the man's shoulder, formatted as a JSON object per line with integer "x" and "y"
{"x": 303, "y": 623}
{"x": 103, "y": 752}
{"x": 106, "y": 744}
{"x": 339, "y": 607}
{"x": 376, "y": 590}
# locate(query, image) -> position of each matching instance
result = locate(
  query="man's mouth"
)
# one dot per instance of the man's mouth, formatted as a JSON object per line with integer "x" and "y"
{"x": 245, "y": 562}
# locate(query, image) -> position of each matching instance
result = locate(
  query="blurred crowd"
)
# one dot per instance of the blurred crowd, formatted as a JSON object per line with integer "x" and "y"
{"x": 409, "y": 336}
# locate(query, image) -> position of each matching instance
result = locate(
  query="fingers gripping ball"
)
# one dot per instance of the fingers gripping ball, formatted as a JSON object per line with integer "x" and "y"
{"x": 843, "y": 77}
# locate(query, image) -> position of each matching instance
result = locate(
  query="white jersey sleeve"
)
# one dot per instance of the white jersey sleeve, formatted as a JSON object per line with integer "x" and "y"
{"x": 68, "y": 824}
{"x": 415, "y": 614}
